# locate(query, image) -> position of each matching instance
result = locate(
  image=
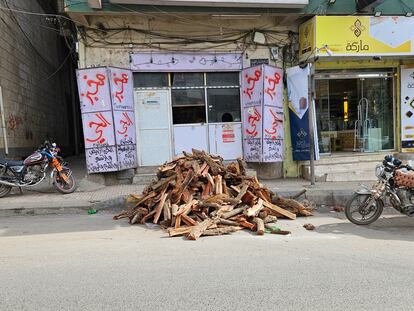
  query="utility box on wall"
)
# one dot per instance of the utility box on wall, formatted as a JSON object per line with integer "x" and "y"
{"x": 262, "y": 115}
{"x": 107, "y": 107}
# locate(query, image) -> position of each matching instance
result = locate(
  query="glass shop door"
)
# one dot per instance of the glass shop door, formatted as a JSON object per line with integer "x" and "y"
{"x": 355, "y": 113}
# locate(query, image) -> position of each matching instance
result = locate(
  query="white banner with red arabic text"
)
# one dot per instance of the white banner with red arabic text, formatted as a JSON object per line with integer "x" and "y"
{"x": 107, "y": 106}
{"x": 262, "y": 105}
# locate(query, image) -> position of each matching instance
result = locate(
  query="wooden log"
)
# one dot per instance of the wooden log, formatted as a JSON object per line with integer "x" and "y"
{"x": 234, "y": 212}
{"x": 205, "y": 171}
{"x": 260, "y": 225}
{"x": 269, "y": 219}
{"x": 235, "y": 188}
{"x": 246, "y": 224}
{"x": 174, "y": 209}
{"x": 294, "y": 205}
{"x": 177, "y": 222}
{"x": 221, "y": 231}
{"x": 184, "y": 208}
{"x": 159, "y": 208}
{"x": 176, "y": 194}
{"x": 162, "y": 182}
{"x": 242, "y": 166}
{"x": 249, "y": 197}
{"x": 188, "y": 220}
{"x": 147, "y": 197}
{"x": 167, "y": 210}
{"x": 255, "y": 209}
{"x": 147, "y": 217}
{"x": 167, "y": 167}
{"x": 199, "y": 229}
{"x": 264, "y": 194}
{"x": 264, "y": 213}
{"x": 206, "y": 191}
{"x": 228, "y": 222}
{"x": 279, "y": 210}
{"x": 214, "y": 167}
{"x": 210, "y": 180}
{"x": 242, "y": 192}
{"x": 202, "y": 169}
{"x": 180, "y": 231}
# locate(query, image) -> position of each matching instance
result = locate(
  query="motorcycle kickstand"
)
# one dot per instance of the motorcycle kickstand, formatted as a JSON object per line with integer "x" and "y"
{"x": 21, "y": 190}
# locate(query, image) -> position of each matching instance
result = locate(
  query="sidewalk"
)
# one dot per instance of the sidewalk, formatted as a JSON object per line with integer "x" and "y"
{"x": 43, "y": 199}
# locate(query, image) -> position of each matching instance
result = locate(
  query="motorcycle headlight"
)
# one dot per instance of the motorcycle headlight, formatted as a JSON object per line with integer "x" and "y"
{"x": 379, "y": 170}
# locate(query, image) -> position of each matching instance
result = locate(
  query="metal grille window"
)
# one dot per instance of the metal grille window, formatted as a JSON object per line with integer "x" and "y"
{"x": 198, "y": 97}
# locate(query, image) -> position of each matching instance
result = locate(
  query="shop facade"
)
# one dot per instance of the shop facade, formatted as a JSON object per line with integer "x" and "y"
{"x": 357, "y": 80}
{"x": 191, "y": 102}
{"x": 189, "y": 96}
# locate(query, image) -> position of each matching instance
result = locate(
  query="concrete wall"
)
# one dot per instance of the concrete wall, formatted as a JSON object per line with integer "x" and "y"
{"x": 31, "y": 51}
{"x": 101, "y": 48}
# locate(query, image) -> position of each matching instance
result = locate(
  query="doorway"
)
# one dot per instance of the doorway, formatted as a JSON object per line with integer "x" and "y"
{"x": 152, "y": 115}
{"x": 355, "y": 112}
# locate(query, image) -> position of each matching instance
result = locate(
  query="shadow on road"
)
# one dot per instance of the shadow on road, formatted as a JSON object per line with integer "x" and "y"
{"x": 399, "y": 228}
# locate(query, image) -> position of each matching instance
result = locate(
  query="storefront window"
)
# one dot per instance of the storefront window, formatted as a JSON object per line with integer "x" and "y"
{"x": 223, "y": 79}
{"x": 185, "y": 79}
{"x": 355, "y": 112}
{"x": 188, "y": 106}
{"x": 223, "y": 105}
{"x": 150, "y": 79}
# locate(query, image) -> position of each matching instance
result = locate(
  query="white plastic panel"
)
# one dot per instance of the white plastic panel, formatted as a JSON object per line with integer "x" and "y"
{"x": 187, "y": 137}
{"x": 226, "y": 140}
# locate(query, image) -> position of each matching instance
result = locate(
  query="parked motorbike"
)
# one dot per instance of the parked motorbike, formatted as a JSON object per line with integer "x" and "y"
{"x": 395, "y": 183}
{"x": 33, "y": 169}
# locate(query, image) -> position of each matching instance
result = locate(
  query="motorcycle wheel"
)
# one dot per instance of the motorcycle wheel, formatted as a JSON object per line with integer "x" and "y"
{"x": 362, "y": 209}
{"x": 61, "y": 185}
{"x": 4, "y": 190}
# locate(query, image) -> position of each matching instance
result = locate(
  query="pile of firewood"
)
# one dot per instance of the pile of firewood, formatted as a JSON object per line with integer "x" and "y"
{"x": 197, "y": 195}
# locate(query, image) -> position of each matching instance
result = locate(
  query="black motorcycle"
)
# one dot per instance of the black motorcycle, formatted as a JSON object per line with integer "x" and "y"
{"x": 395, "y": 182}
{"x": 33, "y": 169}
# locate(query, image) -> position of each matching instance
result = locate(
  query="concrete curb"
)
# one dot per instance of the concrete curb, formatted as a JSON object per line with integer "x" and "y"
{"x": 117, "y": 204}
{"x": 73, "y": 207}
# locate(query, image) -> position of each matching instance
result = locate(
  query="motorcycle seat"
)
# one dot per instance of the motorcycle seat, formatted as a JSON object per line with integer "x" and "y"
{"x": 11, "y": 163}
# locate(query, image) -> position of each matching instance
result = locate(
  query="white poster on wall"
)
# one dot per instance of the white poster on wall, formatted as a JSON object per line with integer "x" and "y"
{"x": 262, "y": 102}
{"x": 106, "y": 96}
{"x": 252, "y": 99}
{"x": 407, "y": 108}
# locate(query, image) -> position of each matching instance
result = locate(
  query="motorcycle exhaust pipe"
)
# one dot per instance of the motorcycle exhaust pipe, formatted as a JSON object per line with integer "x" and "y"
{"x": 6, "y": 183}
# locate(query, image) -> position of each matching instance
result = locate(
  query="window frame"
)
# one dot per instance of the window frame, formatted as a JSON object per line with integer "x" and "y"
{"x": 204, "y": 87}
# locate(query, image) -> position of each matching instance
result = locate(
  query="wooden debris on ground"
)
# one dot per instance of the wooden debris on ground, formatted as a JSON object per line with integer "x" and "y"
{"x": 309, "y": 227}
{"x": 197, "y": 195}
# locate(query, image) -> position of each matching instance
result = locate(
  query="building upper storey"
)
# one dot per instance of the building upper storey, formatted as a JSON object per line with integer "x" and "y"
{"x": 301, "y": 7}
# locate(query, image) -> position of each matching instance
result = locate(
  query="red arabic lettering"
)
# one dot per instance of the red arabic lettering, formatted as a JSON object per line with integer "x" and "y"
{"x": 92, "y": 94}
{"x": 125, "y": 124}
{"x": 272, "y": 84}
{"x": 251, "y": 81}
{"x": 119, "y": 95}
{"x": 275, "y": 123}
{"x": 252, "y": 120}
{"x": 104, "y": 123}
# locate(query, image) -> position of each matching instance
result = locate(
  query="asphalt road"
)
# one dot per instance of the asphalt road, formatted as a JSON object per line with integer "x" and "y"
{"x": 81, "y": 262}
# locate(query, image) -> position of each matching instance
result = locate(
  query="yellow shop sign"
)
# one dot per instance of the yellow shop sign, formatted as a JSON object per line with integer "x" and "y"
{"x": 356, "y": 36}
